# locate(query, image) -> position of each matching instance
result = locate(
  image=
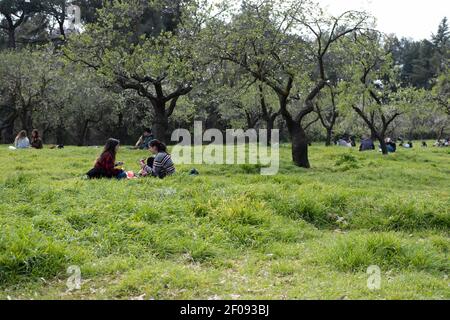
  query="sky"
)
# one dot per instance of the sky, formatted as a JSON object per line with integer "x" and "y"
{"x": 416, "y": 19}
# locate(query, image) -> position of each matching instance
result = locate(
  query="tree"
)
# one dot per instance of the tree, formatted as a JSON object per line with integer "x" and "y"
{"x": 58, "y": 11}
{"x": 442, "y": 37}
{"x": 26, "y": 77}
{"x": 374, "y": 92}
{"x": 13, "y": 14}
{"x": 162, "y": 68}
{"x": 268, "y": 113}
{"x": 441, "y": 92}
{"x": 279, "y": 44}
{"x": 76, "y": 104}
{"x": 89, "y": 9}
{"x": 328, "y": 114}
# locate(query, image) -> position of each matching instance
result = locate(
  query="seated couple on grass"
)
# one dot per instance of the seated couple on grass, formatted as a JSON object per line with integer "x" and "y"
{"x": 106, "y": 166}
{"x": 22, "y": 141}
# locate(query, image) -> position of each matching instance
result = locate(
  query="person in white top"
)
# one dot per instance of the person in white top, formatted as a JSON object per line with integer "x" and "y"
{"x": 22, "y": 141}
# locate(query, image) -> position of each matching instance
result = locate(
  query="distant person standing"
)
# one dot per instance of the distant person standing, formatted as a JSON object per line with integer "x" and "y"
{"x": 144, "y": 141}
{"x": 22, "y": 141}
{"x": 36, "y": 141}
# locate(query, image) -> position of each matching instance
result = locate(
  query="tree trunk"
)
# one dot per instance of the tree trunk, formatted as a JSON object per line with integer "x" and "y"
{"x": 441, "y": 133}
{"x": 60, "y": 139}
{"x": 298, "y": 136}
{"x": 270, "y": 125}
{"x": 299, "y": 145}
{"x": 383, "y": 145}
{"x": 329, "y": 137}
{"x": 161, "y": 123}
{"x": 82, "y": 135}
{"x": 7, "y": 134}
{"x": 8, "y": 116}
{"x": 27, "y": 121}
{"x": 121, "y": 129}
{"x": 62, "y": 31}
{"x": 12, "y": 39}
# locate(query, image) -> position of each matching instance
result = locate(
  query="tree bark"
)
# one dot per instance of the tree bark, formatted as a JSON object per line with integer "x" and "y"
{"x": 160, "y": 122}
{"x": 267, "y": 115}
{"x": 297, "y": 133}
{"x": 270, "y": 125}
{"x": 329, "y": 137}
{"x": 12, "y": 39}
{"x": 82, "y": 135}
{"x": 299, "y": 145}
{"x": 8, "y": 118}
{"x": 27, "y": 121}
{"x": 7, "y": 134}
{"x": 383, "y": 145}
{"x": 441, "y": 133}
{"x": 60, "y": 138}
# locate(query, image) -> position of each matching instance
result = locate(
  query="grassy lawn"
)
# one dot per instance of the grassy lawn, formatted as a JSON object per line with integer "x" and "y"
{"x": 228, "y": 233}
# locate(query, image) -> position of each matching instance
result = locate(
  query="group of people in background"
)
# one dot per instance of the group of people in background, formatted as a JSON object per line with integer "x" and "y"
{"x": 346, "y": 141}
{"x": 442, "y": 143}
{"x": 161, "y": 165}
{"x": 23, "y": 142}
{"x": 368, "y": 144}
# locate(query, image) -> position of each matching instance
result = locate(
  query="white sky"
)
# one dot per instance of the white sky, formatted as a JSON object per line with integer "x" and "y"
{"x": 416, "y": 19}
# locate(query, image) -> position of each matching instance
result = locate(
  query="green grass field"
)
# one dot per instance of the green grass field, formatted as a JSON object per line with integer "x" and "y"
{"x": 229, "y": 233}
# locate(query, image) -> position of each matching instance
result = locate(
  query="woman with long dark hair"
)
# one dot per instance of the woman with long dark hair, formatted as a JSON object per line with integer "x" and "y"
{"x": 36, "y": 141}
{"x": 105, "y": 165}
{"x": 161, "y": 165}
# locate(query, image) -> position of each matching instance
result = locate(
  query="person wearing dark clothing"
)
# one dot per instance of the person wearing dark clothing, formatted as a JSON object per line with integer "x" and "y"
{"x": 36, "y": 141}
{"x": 144, "y": 141}
{"x": 105, "y": 166}
{"x": 366, "y": 145}
{"x": 391, "y": 146}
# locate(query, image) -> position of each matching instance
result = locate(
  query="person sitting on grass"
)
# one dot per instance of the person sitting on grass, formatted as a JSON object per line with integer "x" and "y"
{"x": 161, "y": 165}
{"x": 105, "y": 166}
{"x": 36, "y": 141}
{"x": 21, "y": 141}
{"x": 144, "y": 141}
{"x": 344, "y": 143}
{"x": 391, "y": 145}
{"x": 366, "y": 144}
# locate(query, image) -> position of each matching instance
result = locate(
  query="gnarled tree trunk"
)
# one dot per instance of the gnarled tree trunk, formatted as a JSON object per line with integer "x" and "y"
{"x": 299, "y": 145}
{"x": 160, "y": 122}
